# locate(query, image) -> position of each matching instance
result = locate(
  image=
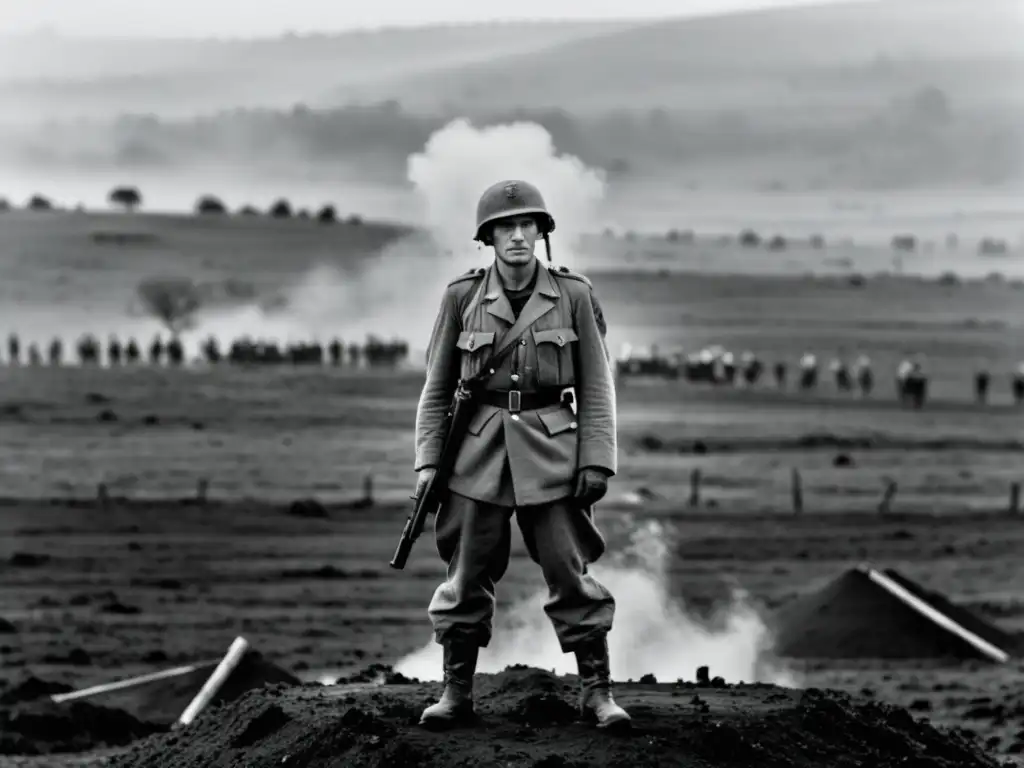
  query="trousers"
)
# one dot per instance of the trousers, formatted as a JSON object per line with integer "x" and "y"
{"x": 474, "y": 539}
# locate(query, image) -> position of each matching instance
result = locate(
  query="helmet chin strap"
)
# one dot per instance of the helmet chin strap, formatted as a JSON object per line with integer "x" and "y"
{"x": 547, "y": 246}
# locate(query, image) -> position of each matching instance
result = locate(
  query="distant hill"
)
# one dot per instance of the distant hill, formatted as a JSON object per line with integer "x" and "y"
{"x": 870, "y": 95}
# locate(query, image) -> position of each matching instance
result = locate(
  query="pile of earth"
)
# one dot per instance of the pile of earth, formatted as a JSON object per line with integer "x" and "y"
{"x": 31, "y": 723}
{"x": 528, "y": 717}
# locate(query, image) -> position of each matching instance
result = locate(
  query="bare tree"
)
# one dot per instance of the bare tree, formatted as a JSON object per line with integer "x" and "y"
{"x": 39, "y": 203}
{"x": 128, "y": 198}
{"x": 282, "y": 209}
{"x": 174, "y": 301}
{"x": 327, "y": 215}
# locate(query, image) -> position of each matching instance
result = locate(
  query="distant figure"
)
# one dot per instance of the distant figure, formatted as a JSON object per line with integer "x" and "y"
{"x": 335, "y": 351}
{"x": 729, "y": 368}
{"x": 841, "y": 375}
{"x": 175, "y": 351}
{"x": 808, "y": 371}
{"x": 88, "y": 350}
{"x": 35, "y": 357}
{"x": 132, "y": 353}
{"x": 156, "y": 351}
{"x": 211, "y": 350}
{"x": 1018, "y": 385}
{"x": 56, "y": 352}
{"x": 780, "y": 374}
{"x": 752, "y": 368}
{"x": 114, "y": 351}
{"x": 982, "y": 381}
{"x": 864, "y": 375}
{"x": 13, "y": 349}
{"x": 913, "y": 383}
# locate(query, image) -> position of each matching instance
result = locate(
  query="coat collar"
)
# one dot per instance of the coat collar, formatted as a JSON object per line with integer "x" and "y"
{"x": 544, "y": 297}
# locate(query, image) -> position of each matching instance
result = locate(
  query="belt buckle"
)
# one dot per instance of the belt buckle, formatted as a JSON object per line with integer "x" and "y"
{"x": 515, "y": 401}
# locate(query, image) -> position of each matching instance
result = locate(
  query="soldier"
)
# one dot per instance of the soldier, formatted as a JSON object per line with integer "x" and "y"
{"x": 175, "y": 351}
{"x": 114, "y": 351}
{"x": 13, "y": 349}
{"x": 526, "y": 452}
{"x": 56, "y": 351}
{"x": 779, "y": 369}
{"x": 132, "y": 353}
{"x": 841, "y": 374}
{"x": 808, "y": 371}
{"x": 35, "y": 356}
{"x": 982, "y": 380}
{"x": 156, "y": 350}
{"x": 864, "y": 375}
{"x": 1018, "y": 385}
{"x": 334, "y": 351}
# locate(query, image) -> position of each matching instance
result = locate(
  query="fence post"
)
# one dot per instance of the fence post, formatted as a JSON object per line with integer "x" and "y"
{"x": 368, "y": 489}
{"x": 102, "y": 496}
{"x": 797, "y": 489}
{"x": 885, "y": 505}
{"x": 202, "y": 489}
{"x": 695, "y": 477}
{"x": 1014, "y": 498}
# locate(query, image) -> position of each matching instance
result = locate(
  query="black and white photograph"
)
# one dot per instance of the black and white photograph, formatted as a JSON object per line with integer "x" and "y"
{"x": 529, "y": 385}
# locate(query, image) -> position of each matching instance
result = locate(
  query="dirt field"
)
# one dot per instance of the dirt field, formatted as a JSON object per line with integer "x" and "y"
{"x": 96, "y": 594}
{"x": 149, "y": 579}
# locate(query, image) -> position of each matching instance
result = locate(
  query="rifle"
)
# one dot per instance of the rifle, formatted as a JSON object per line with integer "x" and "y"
{"x": 454, "y": 427}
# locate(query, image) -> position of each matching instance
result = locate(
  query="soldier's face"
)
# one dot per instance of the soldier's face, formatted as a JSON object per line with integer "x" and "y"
{"x": 514, "y": 239}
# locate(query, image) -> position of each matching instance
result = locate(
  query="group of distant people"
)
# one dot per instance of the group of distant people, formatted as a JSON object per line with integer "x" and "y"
{"x": 717, "y": 366}
{"x": 89, "y": 350}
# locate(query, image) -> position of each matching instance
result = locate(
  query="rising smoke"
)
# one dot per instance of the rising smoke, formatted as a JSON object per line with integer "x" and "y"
{"x": 652, "y": 634}
{"x": 398, "y": 292}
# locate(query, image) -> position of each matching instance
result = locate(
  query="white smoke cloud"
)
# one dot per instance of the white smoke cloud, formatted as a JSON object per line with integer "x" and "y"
{"x": 398, "y": 293}
{"x": 652, "y": 633}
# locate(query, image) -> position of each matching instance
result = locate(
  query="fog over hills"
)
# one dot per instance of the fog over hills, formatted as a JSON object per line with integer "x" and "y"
{"x": 900, "y": 94}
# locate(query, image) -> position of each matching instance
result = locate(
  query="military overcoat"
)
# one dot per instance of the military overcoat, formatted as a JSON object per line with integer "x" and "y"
{"x": 532, "y": 459}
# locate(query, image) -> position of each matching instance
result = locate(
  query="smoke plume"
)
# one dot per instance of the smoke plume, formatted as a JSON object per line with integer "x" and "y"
{"x": 398, "y": 292}
{"x": 652, "y": 633}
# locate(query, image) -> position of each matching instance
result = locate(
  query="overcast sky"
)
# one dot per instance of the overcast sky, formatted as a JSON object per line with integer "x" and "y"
{"x": 246, "y": 18}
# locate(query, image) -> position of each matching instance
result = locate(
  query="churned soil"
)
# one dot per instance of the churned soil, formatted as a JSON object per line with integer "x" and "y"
{"x": 528, "y": 717}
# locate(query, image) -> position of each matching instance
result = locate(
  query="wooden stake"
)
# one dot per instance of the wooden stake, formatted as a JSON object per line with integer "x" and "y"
{"x": 216, "y": 680}
{"x": 695, "y": 478}
{"x": 797, "y": 488}
{"x": 1014, "y": 498}
{"x": 885, "y": 505}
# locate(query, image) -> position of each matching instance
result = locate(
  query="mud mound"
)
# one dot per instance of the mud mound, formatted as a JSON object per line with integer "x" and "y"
{"x": 163, "y": 701}
{"x": 42, "y": 727}
{"x": 739, "y": 726}
{"x": 854, "y": 618}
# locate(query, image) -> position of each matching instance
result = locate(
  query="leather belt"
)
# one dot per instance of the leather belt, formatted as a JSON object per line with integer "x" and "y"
{"x": 515, "y": 401}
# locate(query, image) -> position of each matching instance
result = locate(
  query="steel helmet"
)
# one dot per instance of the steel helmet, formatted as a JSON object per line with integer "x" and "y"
{"x": 511, "y": 198}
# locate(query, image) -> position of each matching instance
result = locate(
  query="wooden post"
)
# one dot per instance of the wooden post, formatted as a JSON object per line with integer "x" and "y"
{"x": 368, "y": 489}
{"x": 102, "y": 496}
{"x": 885, "y": 505}
{"x": 216, "y": 680}
{"x": 1014, "y": 498}
{"x": 202, "y": 489}
{"x": 695, "y": 477}
{"x": 797, "y": 489}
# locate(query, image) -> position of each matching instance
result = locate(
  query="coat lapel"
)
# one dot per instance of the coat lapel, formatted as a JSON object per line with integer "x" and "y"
{"x": 544, "y": 297}
{"x": 494, "y": 297}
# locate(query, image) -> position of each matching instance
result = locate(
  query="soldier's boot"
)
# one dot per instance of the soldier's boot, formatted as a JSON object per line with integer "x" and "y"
{"x": 456, "y": 704}
{"x": 596, "y": 701}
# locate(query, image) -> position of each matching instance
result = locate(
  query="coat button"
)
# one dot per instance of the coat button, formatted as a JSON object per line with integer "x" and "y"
{"x": 515, "y": 417}
{"x": 471, "y": 344}
{"x": 522, "y": 342}
{"x": 515, "y": 377}
{"x": 573, "y": 425}
{"x": 561, "y": 340}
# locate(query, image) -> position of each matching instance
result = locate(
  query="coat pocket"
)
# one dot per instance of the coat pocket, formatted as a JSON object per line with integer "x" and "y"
{"x": 554, "y": 357}
{"x": 476, "y": 347}
{"x": 558, "y": 422}
{"x": 480, "y": 419}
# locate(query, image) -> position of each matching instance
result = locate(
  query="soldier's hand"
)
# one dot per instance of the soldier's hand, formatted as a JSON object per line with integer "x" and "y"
{"x": 591, "y": 486}
{"x": 423, "y": 478}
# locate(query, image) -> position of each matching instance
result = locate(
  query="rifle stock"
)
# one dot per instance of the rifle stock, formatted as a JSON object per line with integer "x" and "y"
{"x": 456, "y": 420}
